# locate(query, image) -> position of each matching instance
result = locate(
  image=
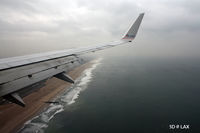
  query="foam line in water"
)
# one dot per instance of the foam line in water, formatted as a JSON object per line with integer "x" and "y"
{"x": 81, "y": 84}
{"x": 40, "y": 122}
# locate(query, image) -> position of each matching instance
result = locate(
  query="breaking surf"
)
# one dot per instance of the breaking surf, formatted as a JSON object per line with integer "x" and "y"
{"x": 68, "y": 97}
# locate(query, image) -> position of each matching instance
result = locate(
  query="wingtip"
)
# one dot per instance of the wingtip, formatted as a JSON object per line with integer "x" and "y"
{"x": 142, "y": 13}
{"x": 132, "y": 32}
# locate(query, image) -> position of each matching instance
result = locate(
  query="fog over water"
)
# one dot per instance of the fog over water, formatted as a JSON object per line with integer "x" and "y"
{"x": 169, "y": 28}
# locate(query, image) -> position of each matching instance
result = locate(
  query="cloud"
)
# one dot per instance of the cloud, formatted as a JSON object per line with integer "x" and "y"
{"x": 39, "y": 25}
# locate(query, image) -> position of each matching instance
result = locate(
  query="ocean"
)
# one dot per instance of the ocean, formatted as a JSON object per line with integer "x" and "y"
{"x": 127, "y": 95}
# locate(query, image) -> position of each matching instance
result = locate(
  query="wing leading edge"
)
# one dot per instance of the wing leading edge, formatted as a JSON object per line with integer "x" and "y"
{"x": 16, "y": 73}
{"x": 7, "y": 63}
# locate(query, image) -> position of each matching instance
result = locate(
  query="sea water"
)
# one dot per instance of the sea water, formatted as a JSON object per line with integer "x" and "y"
{"x": 126, "y": 95}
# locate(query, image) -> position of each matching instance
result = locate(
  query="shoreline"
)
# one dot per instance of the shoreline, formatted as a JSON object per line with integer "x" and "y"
{"x": 13, "y": 117}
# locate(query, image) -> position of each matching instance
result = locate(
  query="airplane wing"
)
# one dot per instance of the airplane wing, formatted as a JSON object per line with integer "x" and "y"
{"x": 16, "y": 73}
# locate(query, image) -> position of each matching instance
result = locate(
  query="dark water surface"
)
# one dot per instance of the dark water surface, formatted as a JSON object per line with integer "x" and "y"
{"x": 132, "y": 94}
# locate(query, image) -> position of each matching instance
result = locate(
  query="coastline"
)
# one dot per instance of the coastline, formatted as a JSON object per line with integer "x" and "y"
{"x": 13, "y": 117}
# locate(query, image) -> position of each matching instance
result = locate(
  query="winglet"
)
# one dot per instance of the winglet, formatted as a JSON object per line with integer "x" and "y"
{"x": 131, "y": 34}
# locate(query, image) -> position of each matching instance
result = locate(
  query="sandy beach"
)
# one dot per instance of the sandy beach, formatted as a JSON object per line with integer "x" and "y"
{"x": 12, "y": 117}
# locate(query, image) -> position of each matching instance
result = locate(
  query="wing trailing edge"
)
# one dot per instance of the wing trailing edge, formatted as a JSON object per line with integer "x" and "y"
{"x": 20, "y": 72}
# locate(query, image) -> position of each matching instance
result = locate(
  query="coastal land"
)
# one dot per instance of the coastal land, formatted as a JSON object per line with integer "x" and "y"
{"x": 13, "y": 117}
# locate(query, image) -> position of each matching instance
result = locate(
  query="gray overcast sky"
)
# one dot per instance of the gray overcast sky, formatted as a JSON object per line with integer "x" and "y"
{"x": 169, "y": 28}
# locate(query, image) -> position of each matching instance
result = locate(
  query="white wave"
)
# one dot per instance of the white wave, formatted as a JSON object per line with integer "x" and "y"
{"x": 81, "y": 84}
{"x": 34, "y": 128}
{"x": 51, "y": 112}
{"x": 57, "y": 111}
{"x": 40, "y": 122}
